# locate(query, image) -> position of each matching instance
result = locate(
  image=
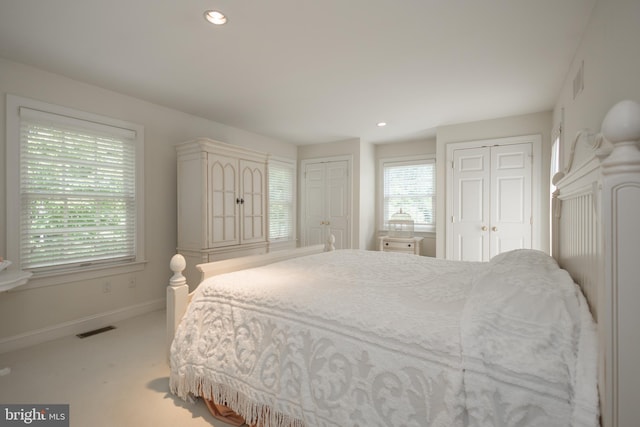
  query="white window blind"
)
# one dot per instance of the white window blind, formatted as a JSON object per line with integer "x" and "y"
{"x": 281, "y": 201}
{"x": 77, "y": 192}
{"x": 410, "y": 186}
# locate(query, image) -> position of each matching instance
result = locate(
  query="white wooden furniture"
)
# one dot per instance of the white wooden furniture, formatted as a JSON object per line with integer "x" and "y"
{"x": 10, "y": 279}
{"x": 596, "y": 237}
{"x": 178, "y": 295}
{"x": 222, "y": 209}
{"x": 409, "y": 245}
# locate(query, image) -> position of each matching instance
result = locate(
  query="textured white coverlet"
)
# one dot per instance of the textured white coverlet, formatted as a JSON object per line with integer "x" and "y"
{"x": 529, "y": 346}
{"x": 355, "y": 338}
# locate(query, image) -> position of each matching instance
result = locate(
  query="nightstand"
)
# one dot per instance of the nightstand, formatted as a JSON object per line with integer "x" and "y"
{"x": 407, "y": 245}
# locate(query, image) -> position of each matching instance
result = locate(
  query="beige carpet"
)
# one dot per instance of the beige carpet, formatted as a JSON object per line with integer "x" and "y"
{"x": 115, "y": 379}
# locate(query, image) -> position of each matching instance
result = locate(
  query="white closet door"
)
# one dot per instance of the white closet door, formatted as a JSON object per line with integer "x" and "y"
{"x": 471, "y": 202}
{"x": 326, "y": 203}
{"x": 337, "y": 209}
{"x": 492, "y": 201}
{"x": 510, "y": 198}
{"x": 314, "y": 206}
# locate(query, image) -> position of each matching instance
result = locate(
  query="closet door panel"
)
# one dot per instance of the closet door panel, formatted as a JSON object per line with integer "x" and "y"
{"x": 338, "y": 197}
{"x": 326, "y": 203}
{"x": 511, "y": 198}
{"x": 471, "y": 200}
{"x": 314, "y": 205}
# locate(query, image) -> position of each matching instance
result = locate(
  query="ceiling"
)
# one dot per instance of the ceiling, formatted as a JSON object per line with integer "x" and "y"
{"x": 311, "y": 71}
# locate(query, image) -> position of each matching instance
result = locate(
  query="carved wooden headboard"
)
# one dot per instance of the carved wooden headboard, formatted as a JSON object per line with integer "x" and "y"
{"x": 596, "y": 237}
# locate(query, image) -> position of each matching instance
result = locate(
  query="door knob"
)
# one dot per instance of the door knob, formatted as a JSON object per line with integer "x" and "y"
{"x": 494, "y": 228}
{"x": 484, "y": 228}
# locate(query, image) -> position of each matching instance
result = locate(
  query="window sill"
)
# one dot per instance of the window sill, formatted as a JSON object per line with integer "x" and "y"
{"x": 76, "y": 275}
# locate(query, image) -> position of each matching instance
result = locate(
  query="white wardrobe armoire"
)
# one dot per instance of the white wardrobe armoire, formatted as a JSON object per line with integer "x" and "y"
{"x": 222, "y": 202}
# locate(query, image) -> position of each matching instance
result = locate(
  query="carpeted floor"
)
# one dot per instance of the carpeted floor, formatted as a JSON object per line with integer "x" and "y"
{"x": 118, "y": 378}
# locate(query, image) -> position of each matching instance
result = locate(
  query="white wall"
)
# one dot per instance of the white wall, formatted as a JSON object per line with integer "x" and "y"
{"x": 367, "y": 224}
{"x": 25, "y": 313}
{"x": 529, "y": 124}
{"x": 611, "y": 57}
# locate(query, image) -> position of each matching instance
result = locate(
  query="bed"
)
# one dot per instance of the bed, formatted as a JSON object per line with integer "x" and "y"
{"x": 334, "y": 338}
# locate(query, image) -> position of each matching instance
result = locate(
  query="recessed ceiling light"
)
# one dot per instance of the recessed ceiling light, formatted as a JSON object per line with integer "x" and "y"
{"x": 215, "y": 17}
{"x": 382, "y": 124}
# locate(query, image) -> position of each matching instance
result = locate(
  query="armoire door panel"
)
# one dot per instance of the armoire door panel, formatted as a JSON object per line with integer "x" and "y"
{"x": 252, "y": 199}
{"x": 223, "y": 209}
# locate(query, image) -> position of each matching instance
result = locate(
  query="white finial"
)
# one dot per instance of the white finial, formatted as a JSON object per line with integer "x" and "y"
{"x": 622, "y": 122}
{"x": 177, "y": 265}
{"x": 330, "y": 245}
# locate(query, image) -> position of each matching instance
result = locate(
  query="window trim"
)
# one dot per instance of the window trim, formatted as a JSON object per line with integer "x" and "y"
{"x": 426, "y": 158}
{"x": 66, "y": 275}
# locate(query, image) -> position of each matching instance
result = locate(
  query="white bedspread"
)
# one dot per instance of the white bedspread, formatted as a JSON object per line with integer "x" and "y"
{"x": 355, "y": 338}
{"x": 529, "y": 346}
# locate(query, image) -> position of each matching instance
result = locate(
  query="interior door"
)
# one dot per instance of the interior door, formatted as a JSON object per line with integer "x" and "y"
{"x": 314, "y": 206}
{"x": 337, "y": 198}
{"x": 510, "y": 198}
{"x": 471, "y": 202}
{"x": 492, "y": 200}
{"x": 326, "y": 206}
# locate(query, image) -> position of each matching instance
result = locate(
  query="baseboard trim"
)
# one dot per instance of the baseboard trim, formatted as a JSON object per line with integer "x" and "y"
{"x": 74, "y": 327}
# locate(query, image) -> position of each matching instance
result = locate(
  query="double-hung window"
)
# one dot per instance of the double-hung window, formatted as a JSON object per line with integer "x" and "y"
{"x": 282, "y": 202}
{"x": 75, "y": 189}
{"x": 409, "y": 185}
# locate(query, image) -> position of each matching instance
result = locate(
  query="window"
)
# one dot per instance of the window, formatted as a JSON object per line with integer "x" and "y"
{"x": 281, "y": 200}
{"x": 76, "y": 196}
{"x": 409, "y": 185}
{"x": 554, "y": 168}
{"x": 555, "y": 160}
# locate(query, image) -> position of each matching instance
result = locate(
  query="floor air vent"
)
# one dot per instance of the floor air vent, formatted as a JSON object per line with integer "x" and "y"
{"x": 95, "y": 332}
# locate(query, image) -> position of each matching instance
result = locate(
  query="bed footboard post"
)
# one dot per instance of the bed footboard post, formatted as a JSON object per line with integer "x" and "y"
{"x": 177, "y": 297}
{"x": 621, "y": 212}
{"x": 330, "y": 244}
